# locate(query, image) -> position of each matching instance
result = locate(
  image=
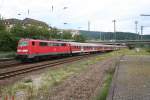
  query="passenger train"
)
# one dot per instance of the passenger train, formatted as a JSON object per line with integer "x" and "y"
{"x": 36, "y": 49}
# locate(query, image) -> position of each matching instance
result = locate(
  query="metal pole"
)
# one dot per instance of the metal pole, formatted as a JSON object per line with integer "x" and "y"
{"x": 88, "y": 25}
{"x": 114, "y": 21}
{"x": 138, "y": 35}
{"x": 100, "y": 35}
{"x": 142, "y": 32}
{"x": 136, "y": 23}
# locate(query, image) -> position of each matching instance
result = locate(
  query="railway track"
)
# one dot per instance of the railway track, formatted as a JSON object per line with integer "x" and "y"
{"x": 37, "y": 66}
{"x": 8, "y": 63}
{"x": 6, "y": 59}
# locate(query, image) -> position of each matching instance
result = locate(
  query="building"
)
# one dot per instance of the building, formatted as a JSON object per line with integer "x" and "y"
{"x": 26, "y": 22}
{"x": 9, "y": 23}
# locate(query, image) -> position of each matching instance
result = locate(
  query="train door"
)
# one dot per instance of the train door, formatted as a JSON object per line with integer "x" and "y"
{"x": 93, "y": 48}
{"x": 82, "y": 48}
{"x": 33, "y": 47}
{"x": 70, "y": 48}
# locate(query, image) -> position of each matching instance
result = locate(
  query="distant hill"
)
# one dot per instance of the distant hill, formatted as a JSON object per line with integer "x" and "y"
{"x": 9, "y": 23}
{"x": 29, "y": 21}
{"x": 112, "y": 36}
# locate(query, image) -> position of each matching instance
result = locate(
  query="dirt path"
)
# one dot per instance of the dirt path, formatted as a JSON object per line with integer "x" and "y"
{"x": 83, "y": 86}
{"x": 133, "y": 79}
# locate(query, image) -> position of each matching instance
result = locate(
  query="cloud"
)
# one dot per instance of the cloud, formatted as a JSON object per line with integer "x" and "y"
{"x": 99, "y": 12}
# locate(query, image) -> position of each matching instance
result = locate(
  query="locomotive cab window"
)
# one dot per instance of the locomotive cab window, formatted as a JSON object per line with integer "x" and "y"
{"x": 43, "y": 44}
{"x": 23, "y": 43}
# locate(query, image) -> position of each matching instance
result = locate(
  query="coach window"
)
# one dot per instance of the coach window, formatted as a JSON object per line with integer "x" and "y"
{"x": 55, "y": 44}
{"x": 63, "y": 44}
{"x": 33, "y": 43}
{"x": 43, "y": 43}
{"x": 50, "y": 44}
{"x": 59, "y": 44}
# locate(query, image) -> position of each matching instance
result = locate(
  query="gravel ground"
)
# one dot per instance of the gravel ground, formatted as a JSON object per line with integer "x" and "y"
{"x": 133, "y": 79}
{"x": 83, "y": 86}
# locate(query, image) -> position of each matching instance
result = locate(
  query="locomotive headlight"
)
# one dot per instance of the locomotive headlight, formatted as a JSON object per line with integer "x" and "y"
{"x": 24, "y": 50}
{"x": 18, "y": 50}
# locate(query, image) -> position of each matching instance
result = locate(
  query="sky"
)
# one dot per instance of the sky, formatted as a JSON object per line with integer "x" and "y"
{"x": 77, "y": 13}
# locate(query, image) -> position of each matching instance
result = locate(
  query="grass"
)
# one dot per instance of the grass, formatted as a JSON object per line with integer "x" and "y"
{"x": 106, "y": 85}
{"x": 134, "y": 52}
{"x": 129, "y": 52}
{"x": 7, "y": 54}
{"x": 32, "y": 87}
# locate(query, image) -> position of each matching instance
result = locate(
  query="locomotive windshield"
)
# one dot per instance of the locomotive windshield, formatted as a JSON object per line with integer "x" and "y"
{"x": 23, "y": 43}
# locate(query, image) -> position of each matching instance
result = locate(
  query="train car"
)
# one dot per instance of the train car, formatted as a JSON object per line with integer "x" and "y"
{"x": 30, "y": 48}
{"x": 35, "y": 49}
{"x": 82, "y": 47}
{"x": 89, "y": 47}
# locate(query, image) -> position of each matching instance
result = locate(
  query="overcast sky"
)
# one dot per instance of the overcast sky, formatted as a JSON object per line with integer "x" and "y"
{"x": 100, "y": 13}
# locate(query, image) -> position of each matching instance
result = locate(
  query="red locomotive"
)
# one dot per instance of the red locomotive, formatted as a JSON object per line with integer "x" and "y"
{"x": 35, "y": 49}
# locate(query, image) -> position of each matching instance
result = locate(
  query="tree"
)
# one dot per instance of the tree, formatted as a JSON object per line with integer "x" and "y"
{"x": 44, "y": 33}
{"x": 54, "y": 33}
{"x": 18, "y": 31}
{"x": 2, "y": 25}
{"x": 37, "y": 32}
{"x": 6, "y": 38}
{"x": 79, "y": 38}
{"x": 66, "y": 35}
{"x": 7, "y": 41}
